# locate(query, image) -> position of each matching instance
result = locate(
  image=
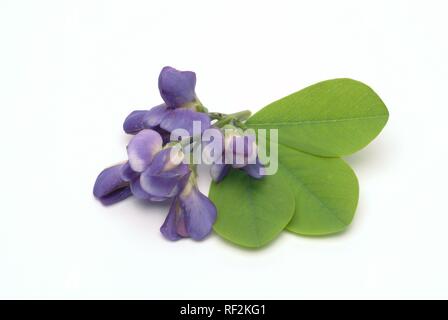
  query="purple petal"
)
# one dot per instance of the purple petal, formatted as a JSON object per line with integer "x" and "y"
{"x": 181, "y": 227}
{"x": 141, "y": 194}
{"x": 177, "y": 87}
{"x": 165, "y": 166}
{"x": 219, "y": 171}
{"x": 244, "y": 145}
{"x": 244, "y": 150}
{"x": 162, "y": 186}
{"x": 200, "y": 213}
{"x": 142, "y": 148}
{"x": 127, "y": 174}
{"x": 109, "y": 187}
{"x": 183, "y": 119}
{"x": 163, "y": 177}
{"x": 138, "y": 120}
{"x": 154, "y": 116}
{"x": 159, "y": 162}
{"x": 134, "y": 122}
{"x": 169, "y": 227}
{"x": 116, "y": 196}
{"x": 108, "y": 180}
{"x": 256, "y": 170}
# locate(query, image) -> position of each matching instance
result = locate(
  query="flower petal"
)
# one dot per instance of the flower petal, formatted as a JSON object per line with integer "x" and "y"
{"x": 213, "y": 146}
{"x": 142, "y": 148}
{"x": 169, "y": 227}
{"x": 108, "y": 180}
{"x": 177, "y": 87}
{"x": 155, "y": 115}
{"x": 138, "y": 120}
{"x": 219, "y": 171}
{"x": 109, "y": 186}
{"x": 162, "y": 186}
{"x": 134, "y": 122}
{"x": 256, "y": 170}
{"x": 200, "y": 212}
{"x": 244, "y": 149}
{"x": 116, "y": 196}
{"x": 141, "y": 194}
{"x": 181, "y": 227}
{"x": 165, "y": 166}
{"x": 183, "y": 119}
{"x": 244, "y": 145}
{"x": 127, "y": 174}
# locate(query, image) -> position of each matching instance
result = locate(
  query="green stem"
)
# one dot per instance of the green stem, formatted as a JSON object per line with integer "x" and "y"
{"x": 242, "y": 115}
{"x": 200, "y": 107}
{"x": 216, "y": 115}
{"x": 221, "y": 123}
{"x": 194, "y": 171}
{"x": 223, "y": 119}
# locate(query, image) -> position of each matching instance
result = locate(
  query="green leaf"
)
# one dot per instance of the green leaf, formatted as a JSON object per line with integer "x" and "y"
{"x": 331, "y": 118}
{"x": 251, "y": 212}
{"x": 326, "y": 192}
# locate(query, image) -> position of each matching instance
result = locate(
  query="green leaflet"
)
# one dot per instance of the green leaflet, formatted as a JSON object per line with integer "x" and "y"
{"x": 252, "y": 212}
{"x": 325, "y": 189}
{"x": 331, "y": 118}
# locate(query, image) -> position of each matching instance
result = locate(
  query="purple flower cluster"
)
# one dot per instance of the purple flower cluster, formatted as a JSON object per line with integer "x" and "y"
{"x": 180, "y": 109}
{"x": 155, "y": 170}
{"x": 157, "y": 173}
{"x": 239, "y": 151}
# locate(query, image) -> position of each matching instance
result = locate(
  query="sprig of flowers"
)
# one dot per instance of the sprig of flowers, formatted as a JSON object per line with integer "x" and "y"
{"x": 308, "y": 189}
{"x": 155, "y": 170}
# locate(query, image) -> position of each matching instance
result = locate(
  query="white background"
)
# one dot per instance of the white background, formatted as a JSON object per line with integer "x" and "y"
{"x": 70, "y": 72}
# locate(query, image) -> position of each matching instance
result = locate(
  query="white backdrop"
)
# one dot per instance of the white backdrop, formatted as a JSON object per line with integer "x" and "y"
{"x": 70, "y": 71}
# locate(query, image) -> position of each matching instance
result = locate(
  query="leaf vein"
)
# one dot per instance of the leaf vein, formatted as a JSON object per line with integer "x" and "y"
{"x": 304, "y": 122}
{"x": 327, "y": 210}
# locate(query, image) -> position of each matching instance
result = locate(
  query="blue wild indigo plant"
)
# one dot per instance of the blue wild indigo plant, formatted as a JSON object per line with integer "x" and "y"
{"x": 303, "y": 186}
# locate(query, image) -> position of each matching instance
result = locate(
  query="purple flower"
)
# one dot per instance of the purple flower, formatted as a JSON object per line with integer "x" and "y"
{"x": 177, "y": 89}
{"x": 138, "y": 120}
{"x": 110, "y": 187}
{"x": 154, "y": 173}
{"x": 192, "y": 214}
{"x": 158, "y": 174}
{"x": 238, "y": 151}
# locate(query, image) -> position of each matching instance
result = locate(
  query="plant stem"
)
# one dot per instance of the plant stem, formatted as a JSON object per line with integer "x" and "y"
{"x": 242, "y": 115}
{"x": 223, "y": 119}
{"x": 216, "y": 115}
